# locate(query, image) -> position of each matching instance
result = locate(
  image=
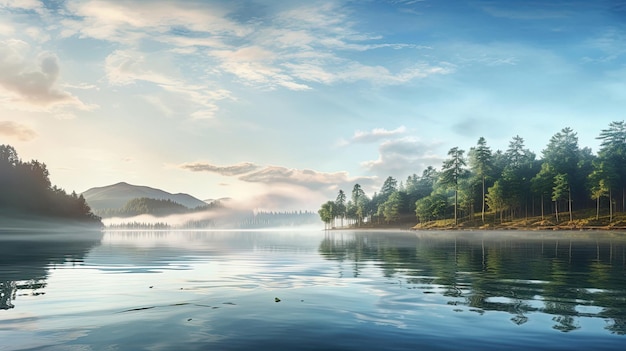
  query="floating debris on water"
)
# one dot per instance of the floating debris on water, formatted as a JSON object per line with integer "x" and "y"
{"x": 138, "y": 309}
{"x": 276, "y": 299}
{"x": 171, "y": 305}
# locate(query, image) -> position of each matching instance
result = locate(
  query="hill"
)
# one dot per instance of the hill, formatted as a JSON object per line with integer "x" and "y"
{"x": 117, "y": 195}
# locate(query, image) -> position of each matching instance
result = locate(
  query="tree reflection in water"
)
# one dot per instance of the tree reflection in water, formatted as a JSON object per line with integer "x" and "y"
{"x": 26, "y": 257}
{"x": 568, "y": 276}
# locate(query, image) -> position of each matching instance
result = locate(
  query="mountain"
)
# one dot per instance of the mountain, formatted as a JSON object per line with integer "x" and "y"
{"x": 117, "y": 195}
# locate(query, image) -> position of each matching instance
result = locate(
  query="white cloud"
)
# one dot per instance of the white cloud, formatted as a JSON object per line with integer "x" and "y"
{"x": 195, "y": 46}
{"x": 29, "y": 84}
{"x": 37, "y": 34}
{"x": 402, "y": 157}
{"x": 18, "y": 131}
{"x": 127, "y": 22}
{"x": 376, "y": 134}
{"x": 279, "y": 177}
{"x": 6, "y": 29}
{"x": 124, "y": 67}
{"x": 21, "y": 4}
{"x": 289, "y": 48}
{"x": 307, "y": 178}
{"x": 231, "y": 170}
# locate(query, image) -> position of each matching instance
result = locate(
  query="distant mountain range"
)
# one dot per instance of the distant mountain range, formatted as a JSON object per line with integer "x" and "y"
{"x": 117, "y": 195}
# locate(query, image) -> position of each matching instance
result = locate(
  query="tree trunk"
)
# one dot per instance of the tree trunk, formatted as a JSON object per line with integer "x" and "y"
{"x": 456, "y": 193}
{"x": 556, "y": 211}
{"x": 610, "y": 206}
{"x": 542, "y": 207}
{"x": 526, "y": 210}
{"x": 569, "y": 201}
{"x": 483, "y": 198}
{"x": 598, "y": 208}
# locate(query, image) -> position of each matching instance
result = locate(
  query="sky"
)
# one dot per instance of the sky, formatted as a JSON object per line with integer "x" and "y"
{"x": 282, "y": 103}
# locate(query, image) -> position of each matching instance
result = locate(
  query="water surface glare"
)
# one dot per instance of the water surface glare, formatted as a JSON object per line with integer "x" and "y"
{"x": 287, "y": 290}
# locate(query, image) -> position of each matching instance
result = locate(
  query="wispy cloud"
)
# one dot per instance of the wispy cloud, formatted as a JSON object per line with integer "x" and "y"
{"x": 18, "y": 131}
{"x": 289, "y": 48}
{"x": 22, "y": 4}
{"x": 376, "y": 134}
{"x": 231, "y": 170}
{"x": 125, "y": 67}
{"x": 129, "y": 21}
{"x": 307, "y": 178}
{"x": 278, "y": 177}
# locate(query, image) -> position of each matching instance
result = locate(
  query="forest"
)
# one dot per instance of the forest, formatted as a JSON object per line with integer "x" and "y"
{"x": 155, "y": 207}
{"x": 26, "y": 190}
{"x": 483, "y": 186}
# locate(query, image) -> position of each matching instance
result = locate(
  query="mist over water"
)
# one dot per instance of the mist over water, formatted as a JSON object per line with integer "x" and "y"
{"x": 198, "y": 290}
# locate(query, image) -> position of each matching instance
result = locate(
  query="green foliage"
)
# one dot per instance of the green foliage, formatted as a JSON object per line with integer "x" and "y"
{"x": 358, "y": 206}
{"x": 394, "y": 206}
{"x": 154, "y": 207}
{"x": 431, "y": 207}
{"x": 452, "y": 170}
{"x": 340, "y": 205}
{"x": 481, "y": 164}
{"x": 389, "y": 187}
{"x": 612, "y": 158}
{"x": 496, "y": 197}
{"x": 327, "y": 212}
{"x": 513, "y": 181}
{"x": 560, "y": 191}
{"x": 25, "y": 189}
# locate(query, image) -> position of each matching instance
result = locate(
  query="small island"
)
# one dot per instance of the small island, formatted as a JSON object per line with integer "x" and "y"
{"x": 568, "y": 188}
{"x": 28, "y": 200}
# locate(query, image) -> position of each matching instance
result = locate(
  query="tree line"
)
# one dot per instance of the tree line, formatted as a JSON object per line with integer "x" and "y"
{"x": 25, "y": 189}
{"x": 265, "y": 219}
{"x": 507, "y": 184}
{"x": 155, "y": 207}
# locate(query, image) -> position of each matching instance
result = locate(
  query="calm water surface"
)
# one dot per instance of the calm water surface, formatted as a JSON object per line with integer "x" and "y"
{"x": 292, "y": 290}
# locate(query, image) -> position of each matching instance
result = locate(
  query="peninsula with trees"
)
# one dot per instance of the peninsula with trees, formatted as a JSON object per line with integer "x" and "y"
{"x": 569, "y": 187}
{"x": 27, "y": 197}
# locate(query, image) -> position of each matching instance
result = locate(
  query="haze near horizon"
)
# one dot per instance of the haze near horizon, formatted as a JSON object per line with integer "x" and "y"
{"x": 283, "y": 104}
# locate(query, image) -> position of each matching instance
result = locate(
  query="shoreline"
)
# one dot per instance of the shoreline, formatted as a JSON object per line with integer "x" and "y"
{"x": 460, "y": 228}
{"x": 28, "y": 224}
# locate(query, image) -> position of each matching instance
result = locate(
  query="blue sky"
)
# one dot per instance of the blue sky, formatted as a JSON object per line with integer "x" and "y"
{"x": 281, "y": 103}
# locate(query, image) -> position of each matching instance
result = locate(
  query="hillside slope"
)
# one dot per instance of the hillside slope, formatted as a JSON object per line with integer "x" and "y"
{"x": 117, "y": 195}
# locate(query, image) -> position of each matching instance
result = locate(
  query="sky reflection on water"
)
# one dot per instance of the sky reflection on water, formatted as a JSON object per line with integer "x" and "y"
{"x": 337, "y": 290}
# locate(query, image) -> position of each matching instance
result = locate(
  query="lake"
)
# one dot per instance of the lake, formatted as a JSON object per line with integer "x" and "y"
{"x": 313, "y": 290}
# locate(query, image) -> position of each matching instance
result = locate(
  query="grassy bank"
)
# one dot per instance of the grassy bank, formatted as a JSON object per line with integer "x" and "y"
{"x": 581, "y": 220}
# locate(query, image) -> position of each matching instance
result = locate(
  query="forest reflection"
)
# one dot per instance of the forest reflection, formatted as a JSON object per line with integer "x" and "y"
{"x": 569, "y": 277}
{"x": 25, "y": 260}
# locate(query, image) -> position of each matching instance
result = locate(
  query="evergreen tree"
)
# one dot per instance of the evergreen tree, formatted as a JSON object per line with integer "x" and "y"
{"x": 25, "y": 189}
{"x": 480, "y": 159}
{"x": 613, "y": 155}
{"x": 340, "y": 205}
{"x": 452, "y": 170}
